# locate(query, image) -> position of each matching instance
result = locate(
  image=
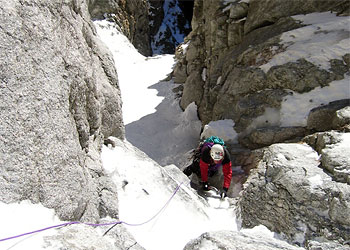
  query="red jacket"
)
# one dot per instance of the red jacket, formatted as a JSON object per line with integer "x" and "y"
{"x": 206, "y": 162}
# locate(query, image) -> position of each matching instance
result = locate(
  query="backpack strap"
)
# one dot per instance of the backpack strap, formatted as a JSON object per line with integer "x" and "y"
{"x": 206, "y": 144}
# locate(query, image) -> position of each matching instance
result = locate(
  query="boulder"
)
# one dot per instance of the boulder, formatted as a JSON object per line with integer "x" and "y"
{"x": 334, "y": 115}
{"x": 342, "y": 119}
{"x": 239, "y": 10}
{"x": 325, "y": 245}
{"x": 334, "y": 150}
{"x": 81, "y": 237}
{"x": 290, "y": 194}
{"x": 232, "y": 240}
{"x": 267, "y": 136}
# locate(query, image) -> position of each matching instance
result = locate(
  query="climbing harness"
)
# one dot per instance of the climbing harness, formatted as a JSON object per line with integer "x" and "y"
{"x": 98, "y": 225}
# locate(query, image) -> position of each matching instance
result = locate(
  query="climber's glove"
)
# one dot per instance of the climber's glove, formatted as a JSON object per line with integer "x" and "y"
{"x": 223, "y": 193}
{"x": 205, "y": 186}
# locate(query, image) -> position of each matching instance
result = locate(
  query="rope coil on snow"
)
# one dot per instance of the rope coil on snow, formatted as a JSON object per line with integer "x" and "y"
{"x": 98, "y": 225}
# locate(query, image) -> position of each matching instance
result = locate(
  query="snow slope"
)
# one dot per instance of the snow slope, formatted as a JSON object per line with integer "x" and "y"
{"x": 154, "y": 121}
{"x": 135, "y": 72}
{"x": 143, "y": 189}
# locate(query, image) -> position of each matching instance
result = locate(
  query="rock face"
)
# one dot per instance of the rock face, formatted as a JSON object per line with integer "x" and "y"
{"x": 223, "y": 64}
{"x": 236, "y": 240}
{"x": 100, "y": 9}
{"x": 334, "y": 150}
{"x": 229, "y": 66}
{"x": 85, "y": 237}
{"x": 131, "y": 16}
{"x": 290, "y": 194}
{"x": 335, "y": 115}
{"x": 59, "y": 99}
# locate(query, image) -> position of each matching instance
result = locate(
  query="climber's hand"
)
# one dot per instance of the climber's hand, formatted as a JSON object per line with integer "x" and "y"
{"x": 223, "y": 193}
{"x": 205, "y": 186}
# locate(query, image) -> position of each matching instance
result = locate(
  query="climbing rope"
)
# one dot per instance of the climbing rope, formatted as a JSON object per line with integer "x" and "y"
{"x": 98, "y": 225}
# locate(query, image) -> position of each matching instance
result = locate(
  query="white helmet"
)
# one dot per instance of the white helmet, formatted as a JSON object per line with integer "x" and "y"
{"x": 217, "y": 152}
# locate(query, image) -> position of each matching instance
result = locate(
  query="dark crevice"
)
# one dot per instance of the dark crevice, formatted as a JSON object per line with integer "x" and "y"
{"x": 187, "y": 8}
{"x": 182, "y": 21}
{"x": 263, "y": 24}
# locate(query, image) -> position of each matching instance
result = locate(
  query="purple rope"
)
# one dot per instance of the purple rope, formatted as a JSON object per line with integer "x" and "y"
{"x": 98, "y": 225}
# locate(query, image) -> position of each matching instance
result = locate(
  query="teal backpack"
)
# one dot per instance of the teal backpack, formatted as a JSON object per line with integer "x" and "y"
{"x": 216, "y": 140}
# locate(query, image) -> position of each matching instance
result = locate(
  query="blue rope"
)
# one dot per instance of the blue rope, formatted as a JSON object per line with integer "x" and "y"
{"x": 98, "y": 225}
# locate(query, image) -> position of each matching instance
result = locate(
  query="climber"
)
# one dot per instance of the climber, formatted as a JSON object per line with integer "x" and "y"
{"x": 211, "y": 157}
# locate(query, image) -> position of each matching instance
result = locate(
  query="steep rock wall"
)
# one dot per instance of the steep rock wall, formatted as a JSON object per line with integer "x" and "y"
{"x": 132, "y": 16}
{"x": 219, "y": 64}
{"x": 59, "y": 99}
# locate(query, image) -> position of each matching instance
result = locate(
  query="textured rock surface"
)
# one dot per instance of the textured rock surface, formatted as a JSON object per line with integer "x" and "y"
{"x": 269, "y": 11}
{"x": 335, "y": 115}
{"x": 99, "y": 9}
{"x": 236, "y": 240}
{"x": 342, "y": 119}
{"x": 290, "y": 194}
{"x": 82, "y": 237}
{"x": 315, "y": 245}
{"x": 59, "y": 98}
{"x": 267, "y": 136}
{"x": 334, "y": 150}
{"x": 223, "y": 54}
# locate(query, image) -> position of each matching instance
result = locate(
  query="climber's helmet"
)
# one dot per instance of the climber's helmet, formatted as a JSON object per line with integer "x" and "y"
{"x": 217, "y": 152}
